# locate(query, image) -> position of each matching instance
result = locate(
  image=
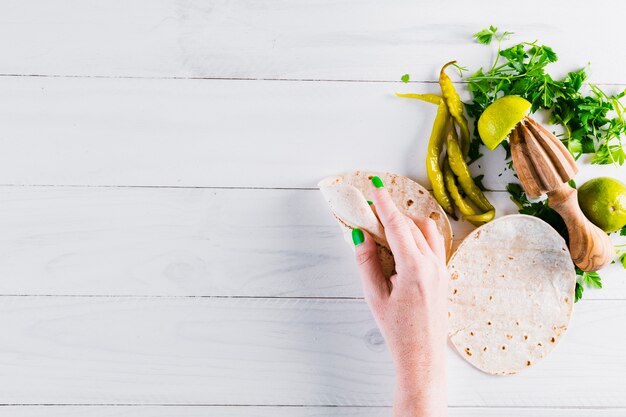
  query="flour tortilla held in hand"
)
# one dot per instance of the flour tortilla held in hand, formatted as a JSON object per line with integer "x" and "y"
{"x": 511, "y": 294}
{"x": 347, "y": 196}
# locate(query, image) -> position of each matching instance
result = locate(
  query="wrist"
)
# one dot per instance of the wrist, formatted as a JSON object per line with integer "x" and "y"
{"x": 421, "y": 391}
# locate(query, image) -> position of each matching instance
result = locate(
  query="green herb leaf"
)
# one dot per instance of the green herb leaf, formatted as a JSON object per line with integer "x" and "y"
{"x": 578, "y": 293}
{"x": 622, "y": 231}
{"x": 485, "y": 36}
{"x": 589, "y": 279}
{"x": 405, "y": 78}
{"x": 593, "y": 121}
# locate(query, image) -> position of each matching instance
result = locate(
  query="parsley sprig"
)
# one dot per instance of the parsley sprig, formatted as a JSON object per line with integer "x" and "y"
{"x": 593, "y": 121}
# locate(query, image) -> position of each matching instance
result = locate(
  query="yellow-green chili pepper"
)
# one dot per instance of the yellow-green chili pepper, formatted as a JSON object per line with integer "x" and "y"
{"x": 455, "y": 106}
{"x": 433, "y": 170}
{"x": 429, "y": 98}
{"x": 462, "y": 172}
{"x": 435, "y": 147}
{"x": 453, "y": 189}
{"x": 478, "y": 219}
{"x": 469, "y": 213}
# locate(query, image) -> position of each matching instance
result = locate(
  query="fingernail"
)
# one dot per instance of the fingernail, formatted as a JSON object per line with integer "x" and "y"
{"x": 357, "y": 236}
{"x": 378, "y": 183}
{"x": 370, "y": 202}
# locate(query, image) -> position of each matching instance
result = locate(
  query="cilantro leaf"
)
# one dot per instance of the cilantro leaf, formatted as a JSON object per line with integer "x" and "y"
{"x": 622, "y": 231}
{"x": 405, "y": 78}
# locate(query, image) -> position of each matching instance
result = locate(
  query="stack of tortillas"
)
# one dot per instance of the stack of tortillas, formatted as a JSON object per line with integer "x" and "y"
{"x": 348, "y": 194}
{"x": 512, "y": 287}
{"x": 512, "y": 280}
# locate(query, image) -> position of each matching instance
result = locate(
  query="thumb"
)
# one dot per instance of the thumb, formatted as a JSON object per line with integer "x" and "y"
{"x": 375, "y": 284}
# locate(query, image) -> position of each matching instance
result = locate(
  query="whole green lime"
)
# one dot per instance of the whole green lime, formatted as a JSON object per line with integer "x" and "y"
{"x": 603, "y": 200}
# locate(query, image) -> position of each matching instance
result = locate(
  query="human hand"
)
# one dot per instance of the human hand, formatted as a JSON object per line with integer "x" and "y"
{"x": 409, "y": 307}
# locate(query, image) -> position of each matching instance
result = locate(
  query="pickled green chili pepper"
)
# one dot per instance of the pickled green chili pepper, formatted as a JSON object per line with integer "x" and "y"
{"x": 462, "y": 172}
{"x": 455, "y": 107}
{"x": 478, "y": 219}
{"x": 469, "y": 213}
{"x": 435, "y": 147}
{"x": 453, "y": 189}
{"x": 429, "y": 98}
{"x": 433, "y": 170}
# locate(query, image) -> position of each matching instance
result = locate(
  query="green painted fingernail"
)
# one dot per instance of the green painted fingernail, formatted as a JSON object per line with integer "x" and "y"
{"x": 357, "y": 236}
{"x": 378, "y": 183}
{"x": 370, "y": 202}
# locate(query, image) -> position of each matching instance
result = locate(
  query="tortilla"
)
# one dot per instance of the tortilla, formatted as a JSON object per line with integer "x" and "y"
{"x": 347, "y": 196}
{"x": 511, "y": 294}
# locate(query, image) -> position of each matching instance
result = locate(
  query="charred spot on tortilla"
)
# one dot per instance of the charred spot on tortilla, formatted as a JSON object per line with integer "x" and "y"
{"x": 434, "y": 215}
{"x": 409, "y": 202}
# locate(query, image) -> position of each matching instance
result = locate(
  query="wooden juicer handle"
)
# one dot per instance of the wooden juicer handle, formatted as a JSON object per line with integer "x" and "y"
{"x": 589, "y": 246}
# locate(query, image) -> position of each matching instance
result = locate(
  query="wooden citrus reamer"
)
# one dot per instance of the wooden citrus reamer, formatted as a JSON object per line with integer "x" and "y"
{"x": 544, "y": 165}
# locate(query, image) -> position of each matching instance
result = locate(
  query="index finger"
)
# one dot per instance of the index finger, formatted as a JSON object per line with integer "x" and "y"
{"x": 397, "y": 231}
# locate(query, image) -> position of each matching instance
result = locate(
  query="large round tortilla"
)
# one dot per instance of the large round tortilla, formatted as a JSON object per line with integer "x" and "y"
{"x": 347, "y": 196}
{"x": 511, "y": 294}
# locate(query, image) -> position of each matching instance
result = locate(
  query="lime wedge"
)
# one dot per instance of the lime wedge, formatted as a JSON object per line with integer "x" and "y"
{"x": 499, "y": 118}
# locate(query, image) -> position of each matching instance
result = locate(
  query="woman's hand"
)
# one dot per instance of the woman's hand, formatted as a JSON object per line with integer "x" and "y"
{"x": 410, "y": 307}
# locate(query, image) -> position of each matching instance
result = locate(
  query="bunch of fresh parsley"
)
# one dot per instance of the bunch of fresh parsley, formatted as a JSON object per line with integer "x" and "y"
{"x": 593, "y": 122}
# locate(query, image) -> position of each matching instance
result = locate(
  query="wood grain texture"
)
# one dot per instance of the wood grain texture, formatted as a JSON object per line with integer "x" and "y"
{"x": 342, "y": 40}
{"x": 80, "y": 131}
{"x": 86, "y": 350}
{"x": 288, "y": 411}
{"x": 590, "y": 247}
{"x": 151, "y": 241}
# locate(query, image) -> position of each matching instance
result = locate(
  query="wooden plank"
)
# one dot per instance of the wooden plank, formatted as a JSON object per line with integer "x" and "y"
{"x": 80, "y": 131}
{"x": 151, "y": 241}
{"x": 252, "y": 411}
{"x": 107, "y": 350}
{"x": 290, "y": 39}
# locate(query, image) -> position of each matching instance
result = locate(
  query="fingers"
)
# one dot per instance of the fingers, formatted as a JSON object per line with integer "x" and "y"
{"x": 397, "y": 232}
{"x": 375, "y": 284}
{"x": 433, "y": 236}
{"x": 418, "y": 236}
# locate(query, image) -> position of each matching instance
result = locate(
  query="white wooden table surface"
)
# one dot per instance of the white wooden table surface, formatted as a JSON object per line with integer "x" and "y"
{"x": 163, "y": 251}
